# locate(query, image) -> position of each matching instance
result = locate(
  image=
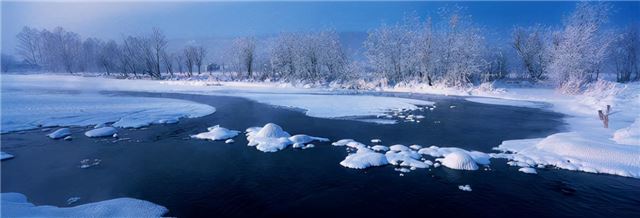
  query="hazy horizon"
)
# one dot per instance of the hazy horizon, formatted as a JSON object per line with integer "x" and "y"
{"x": 211, "y": 21}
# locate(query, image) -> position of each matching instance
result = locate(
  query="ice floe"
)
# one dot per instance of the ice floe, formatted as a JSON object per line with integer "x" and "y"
{"x": 5, "y": 155}
{"x": 528, "y": 170}
{"x": 16, "y": 205}
{"x": 466, "y": 188}
{"x": 22, "y": 110}
{"x": 101, "y": 132}
{"x": 459, "y": 161}
{"x": 364, "y": 158}
{"x": 217, "y": 133}
{"x": 60, "y": 133}
{"x": 379, "y": 148}
{"x": 272, "y": 138}
{"x": 401, "y": 155}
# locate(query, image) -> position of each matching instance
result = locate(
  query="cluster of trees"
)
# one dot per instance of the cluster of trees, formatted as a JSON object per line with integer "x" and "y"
{"x": 61, "y": 50}
{"x": 452, "y": 51}
{"x": 310, "y": 57}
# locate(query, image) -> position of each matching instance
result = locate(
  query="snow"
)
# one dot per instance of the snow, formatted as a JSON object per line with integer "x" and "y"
{"x": 585, "y": 145}
{"x": 459, "y": 161}
{"x": 528, "y": 170}
{"x": 322, "y": 103}
{"x": 217, "y": 133}
{"x": 380, "y": 148}
{"x": 229, "y": 141}
{"x": 498, "y": 101}
{"x": 101, "y": 132}
{"x": 376, "y": 141}
{"x": 16, "y": 205}
{"x": 342, "y": 142}
{"x": 272, "y": 138}
{"x": 4, "y": 155}
{"x": 22, "y": 110}
{"x": 466, "y": 188}
{"x": 59, "y": 133}
{"x": 628, "y": 135}
{"x": 364, "y": 158}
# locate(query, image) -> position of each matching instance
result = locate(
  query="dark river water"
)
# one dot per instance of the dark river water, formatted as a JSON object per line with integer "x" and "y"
{"x": 198, "y": 178}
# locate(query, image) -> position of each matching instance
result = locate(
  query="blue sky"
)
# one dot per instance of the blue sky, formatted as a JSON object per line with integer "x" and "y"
{"x": 201, "y": 20}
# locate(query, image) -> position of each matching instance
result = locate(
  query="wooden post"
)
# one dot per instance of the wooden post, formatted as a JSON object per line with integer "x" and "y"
{"x": 605, "y": 117}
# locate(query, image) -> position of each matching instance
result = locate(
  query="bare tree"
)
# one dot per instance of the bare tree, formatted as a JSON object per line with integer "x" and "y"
{"x": 158, "y": 45}
{"x": 199, "y": 53}
{"x": 179, "y": 58}
{"x": 167, "y": 60}
{"x": 189, "y": 58}
{"x": 30, "y": 45}
{"x": 7, "y": 62}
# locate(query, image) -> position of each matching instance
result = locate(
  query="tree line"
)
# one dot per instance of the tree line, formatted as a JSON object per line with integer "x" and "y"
{"x": 452, "y": 51}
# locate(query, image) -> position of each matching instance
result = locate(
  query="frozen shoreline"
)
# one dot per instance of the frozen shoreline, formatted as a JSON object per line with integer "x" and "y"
{"x": 587, "y": 146}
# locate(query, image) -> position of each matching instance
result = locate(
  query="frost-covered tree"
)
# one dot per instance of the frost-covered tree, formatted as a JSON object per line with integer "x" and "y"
{"x": 64, "y": 48}
{"x": 179, "y": 61}
{"x": 190, "y": 54}
{"x": 580, "y": 49}
{"x": 8, "y": 61}
{"x": 391, "y": 51}
{"x": 158, "y": 43}
{"x": 89, "y": 57}
{"x": 108, "y": 56}
{"x": 461, "y": 48}
{"x": 30, "y": 45}
{"x": 282, "y": 56}
{"x": 529, "y": 44}
{"x": 199, "y": 55}
{"x": 243, "y": 55}
{"x": 626, "y": 54}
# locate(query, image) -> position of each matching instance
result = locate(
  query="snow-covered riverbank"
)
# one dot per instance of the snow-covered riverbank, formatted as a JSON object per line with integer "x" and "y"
{"x": 587, "y": 146}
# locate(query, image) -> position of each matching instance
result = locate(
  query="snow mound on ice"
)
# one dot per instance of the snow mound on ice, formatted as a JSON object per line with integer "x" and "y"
{"x": 401, "y": 155}
{"x": 342, "y": 142}
{"x": 466, "y": 188}
{"x": 335, "y": 106}
{"x": 528, "y": 170}
{"x": 60, "y": 133}
{"x": 303, "y": 139}
{"x": 101, "y": 132}
{"x": 379, "y": 148}
{"x": 591, "y": 153}
{"x": 16, "y": 205}
{"x": 4, "y": 155}
{"x": 459, "y": 161}
{"x": 216, "y": 133}
{"x": 272, "y": 138}
{"x": 22, "y": 110}
{"x": 364, "y": 158}
{"x": 507, "y": 102}
{"x": 629, "y": 135}
{"x": 435, "y": 151}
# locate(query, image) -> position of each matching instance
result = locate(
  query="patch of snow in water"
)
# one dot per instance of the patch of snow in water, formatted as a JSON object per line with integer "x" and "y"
{"x": 16, "y": 205}
{"x": 272, "y": 138}
{"x": 101, "y": 132}
{"x": 60, "y": 133}
{"x": 4, "y": 155}
{"x": 22, "y": 110}
{"x": 459, "y": 161}
{"x": 528, "y": 170}
{"x": 364, "y": 158}
{"x": 380, "y": 148}
{"x": 217, "y": 133}
{"x": 466, "y": 188}
{"x": 506, "y": 102}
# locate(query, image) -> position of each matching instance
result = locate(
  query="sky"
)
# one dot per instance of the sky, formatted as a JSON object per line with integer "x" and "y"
{"x": 207, "y": 20}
